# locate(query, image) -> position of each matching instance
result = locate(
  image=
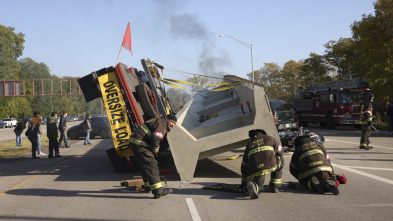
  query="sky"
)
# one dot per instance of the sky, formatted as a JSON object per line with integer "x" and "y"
{"x": 75, "y": 38}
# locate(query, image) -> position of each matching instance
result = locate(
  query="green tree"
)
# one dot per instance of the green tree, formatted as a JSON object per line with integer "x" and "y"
{"x": 341, "y": 54}
{"x": 11, "y": 47}
{"x": 315, "y": 70}
{"x": 373, "y": 44}
{"x": 16, "y": 107}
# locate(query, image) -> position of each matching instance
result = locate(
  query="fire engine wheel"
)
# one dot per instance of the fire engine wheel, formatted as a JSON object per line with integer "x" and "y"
{"x": 329, "y": 121}
{"x": 300, "y": 122}
{"x": 148, "y": 108}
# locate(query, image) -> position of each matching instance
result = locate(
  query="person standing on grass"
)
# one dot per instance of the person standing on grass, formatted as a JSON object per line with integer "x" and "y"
{"x": 18, "y": 132}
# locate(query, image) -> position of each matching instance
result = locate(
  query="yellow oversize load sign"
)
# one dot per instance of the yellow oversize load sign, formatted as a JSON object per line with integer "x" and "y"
{"x": 117, "y": 115}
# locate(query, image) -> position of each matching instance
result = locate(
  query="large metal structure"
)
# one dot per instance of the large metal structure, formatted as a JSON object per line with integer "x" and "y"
{"x": 39, "y": 87}
{"x": 235, "y": 112}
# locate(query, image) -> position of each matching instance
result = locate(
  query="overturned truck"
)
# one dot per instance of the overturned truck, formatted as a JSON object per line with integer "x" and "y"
{"x": 212, "y": 122}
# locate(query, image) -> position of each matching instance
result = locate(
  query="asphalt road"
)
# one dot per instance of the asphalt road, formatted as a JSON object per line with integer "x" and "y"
{"x": 83, "y": 186}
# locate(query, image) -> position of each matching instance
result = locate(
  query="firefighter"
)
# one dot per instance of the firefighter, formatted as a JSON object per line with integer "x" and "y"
{"x": 145, "y": 144}
{"x": 310, "y": 164}
{"x": 262, "y": 156}
{"x": 366, "y": 117}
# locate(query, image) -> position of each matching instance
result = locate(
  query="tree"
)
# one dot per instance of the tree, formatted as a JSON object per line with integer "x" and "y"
{"x": 178, "y": 97}
{"x": 31, "y": 69}
{"x": 341, "y": 54}
{"x": 291, "y": 79}
{"x": 11, "y": 47}
{"x": 16, "y": 107}
{"x": 373, "y": 45}
{"x": 200, "y": 80}
{"x": 270, "y": 78}
{"x": 315, "y": 70}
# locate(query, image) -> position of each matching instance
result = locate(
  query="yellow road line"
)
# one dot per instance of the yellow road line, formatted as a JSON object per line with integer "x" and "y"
{"x": 43, "y": 172}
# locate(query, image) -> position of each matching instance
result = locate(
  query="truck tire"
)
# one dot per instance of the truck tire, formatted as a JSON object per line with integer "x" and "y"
{"x": 148, "y": 109}
{"x": 301, "y": 123}
{"x": 329, "y": 121}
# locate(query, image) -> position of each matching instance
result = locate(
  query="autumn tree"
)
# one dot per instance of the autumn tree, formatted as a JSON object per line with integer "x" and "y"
{"x": 291, "y": 79}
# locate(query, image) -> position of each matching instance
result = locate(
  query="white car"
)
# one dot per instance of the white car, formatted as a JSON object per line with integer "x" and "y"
{"x": 9, "y": 122}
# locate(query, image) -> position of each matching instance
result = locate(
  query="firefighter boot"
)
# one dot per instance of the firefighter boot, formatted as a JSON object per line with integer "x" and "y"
{"x": 316, "y": 185}
{"x": 253, "y": 189}
{"x": 330, "y": 186}
{"x": 161, "y": 192}
{"x": 273, "y": 188}
{"x": 369, "y": 147}
{"x": 145, "y": 189}
{"x": 363, "y": 146}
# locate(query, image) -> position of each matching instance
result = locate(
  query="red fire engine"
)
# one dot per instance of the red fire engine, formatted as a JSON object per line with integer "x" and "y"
{"x": 331, "y": 103}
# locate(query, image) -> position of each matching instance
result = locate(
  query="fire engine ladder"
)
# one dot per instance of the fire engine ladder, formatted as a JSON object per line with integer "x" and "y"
{"x": 336, "y": 85}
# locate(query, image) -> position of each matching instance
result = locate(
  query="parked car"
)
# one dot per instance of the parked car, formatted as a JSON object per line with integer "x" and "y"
{"x": 2, "y": 124}
{"x": 284, "y": 115}
{"x": 99, "y": 125}
{"x": 28, "y": 119}
{"x": 44, "y": 121}
{"x": 10, "y": 122}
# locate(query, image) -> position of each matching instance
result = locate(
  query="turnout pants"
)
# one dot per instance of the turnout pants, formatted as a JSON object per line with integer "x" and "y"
{"x": 323, "y": 175}
{"x": 275, "y": 176}
{"x": 148, "y": 166}
{"x": 364, "y": 140}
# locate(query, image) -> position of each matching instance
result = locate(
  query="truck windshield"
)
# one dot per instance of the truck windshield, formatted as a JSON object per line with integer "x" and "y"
{"x": 280, "y": 105}
{"x": 349, "y": 97}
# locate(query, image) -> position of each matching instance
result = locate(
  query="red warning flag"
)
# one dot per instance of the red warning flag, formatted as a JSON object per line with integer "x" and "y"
{"x": 127, "y": 39}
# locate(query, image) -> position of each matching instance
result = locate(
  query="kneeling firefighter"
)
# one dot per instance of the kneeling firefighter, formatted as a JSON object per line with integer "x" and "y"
{"x": 145, "y": 144}
{"x": 310, "y": 164}
{"x": 262, "y": 156}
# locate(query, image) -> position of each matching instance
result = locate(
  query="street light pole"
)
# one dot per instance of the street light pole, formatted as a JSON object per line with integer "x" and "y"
{"x": 248, "y": 46}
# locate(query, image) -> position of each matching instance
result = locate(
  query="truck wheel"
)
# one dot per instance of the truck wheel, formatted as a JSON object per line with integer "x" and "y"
{"x": 329, "y": 122}
{"x": 300, "y": 122}
{"x": 148, "y": 109}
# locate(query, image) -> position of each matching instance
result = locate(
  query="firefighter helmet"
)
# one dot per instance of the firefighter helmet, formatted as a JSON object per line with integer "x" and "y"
{"x": 300, "y": 140}
{"x": 252, "y": 133}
